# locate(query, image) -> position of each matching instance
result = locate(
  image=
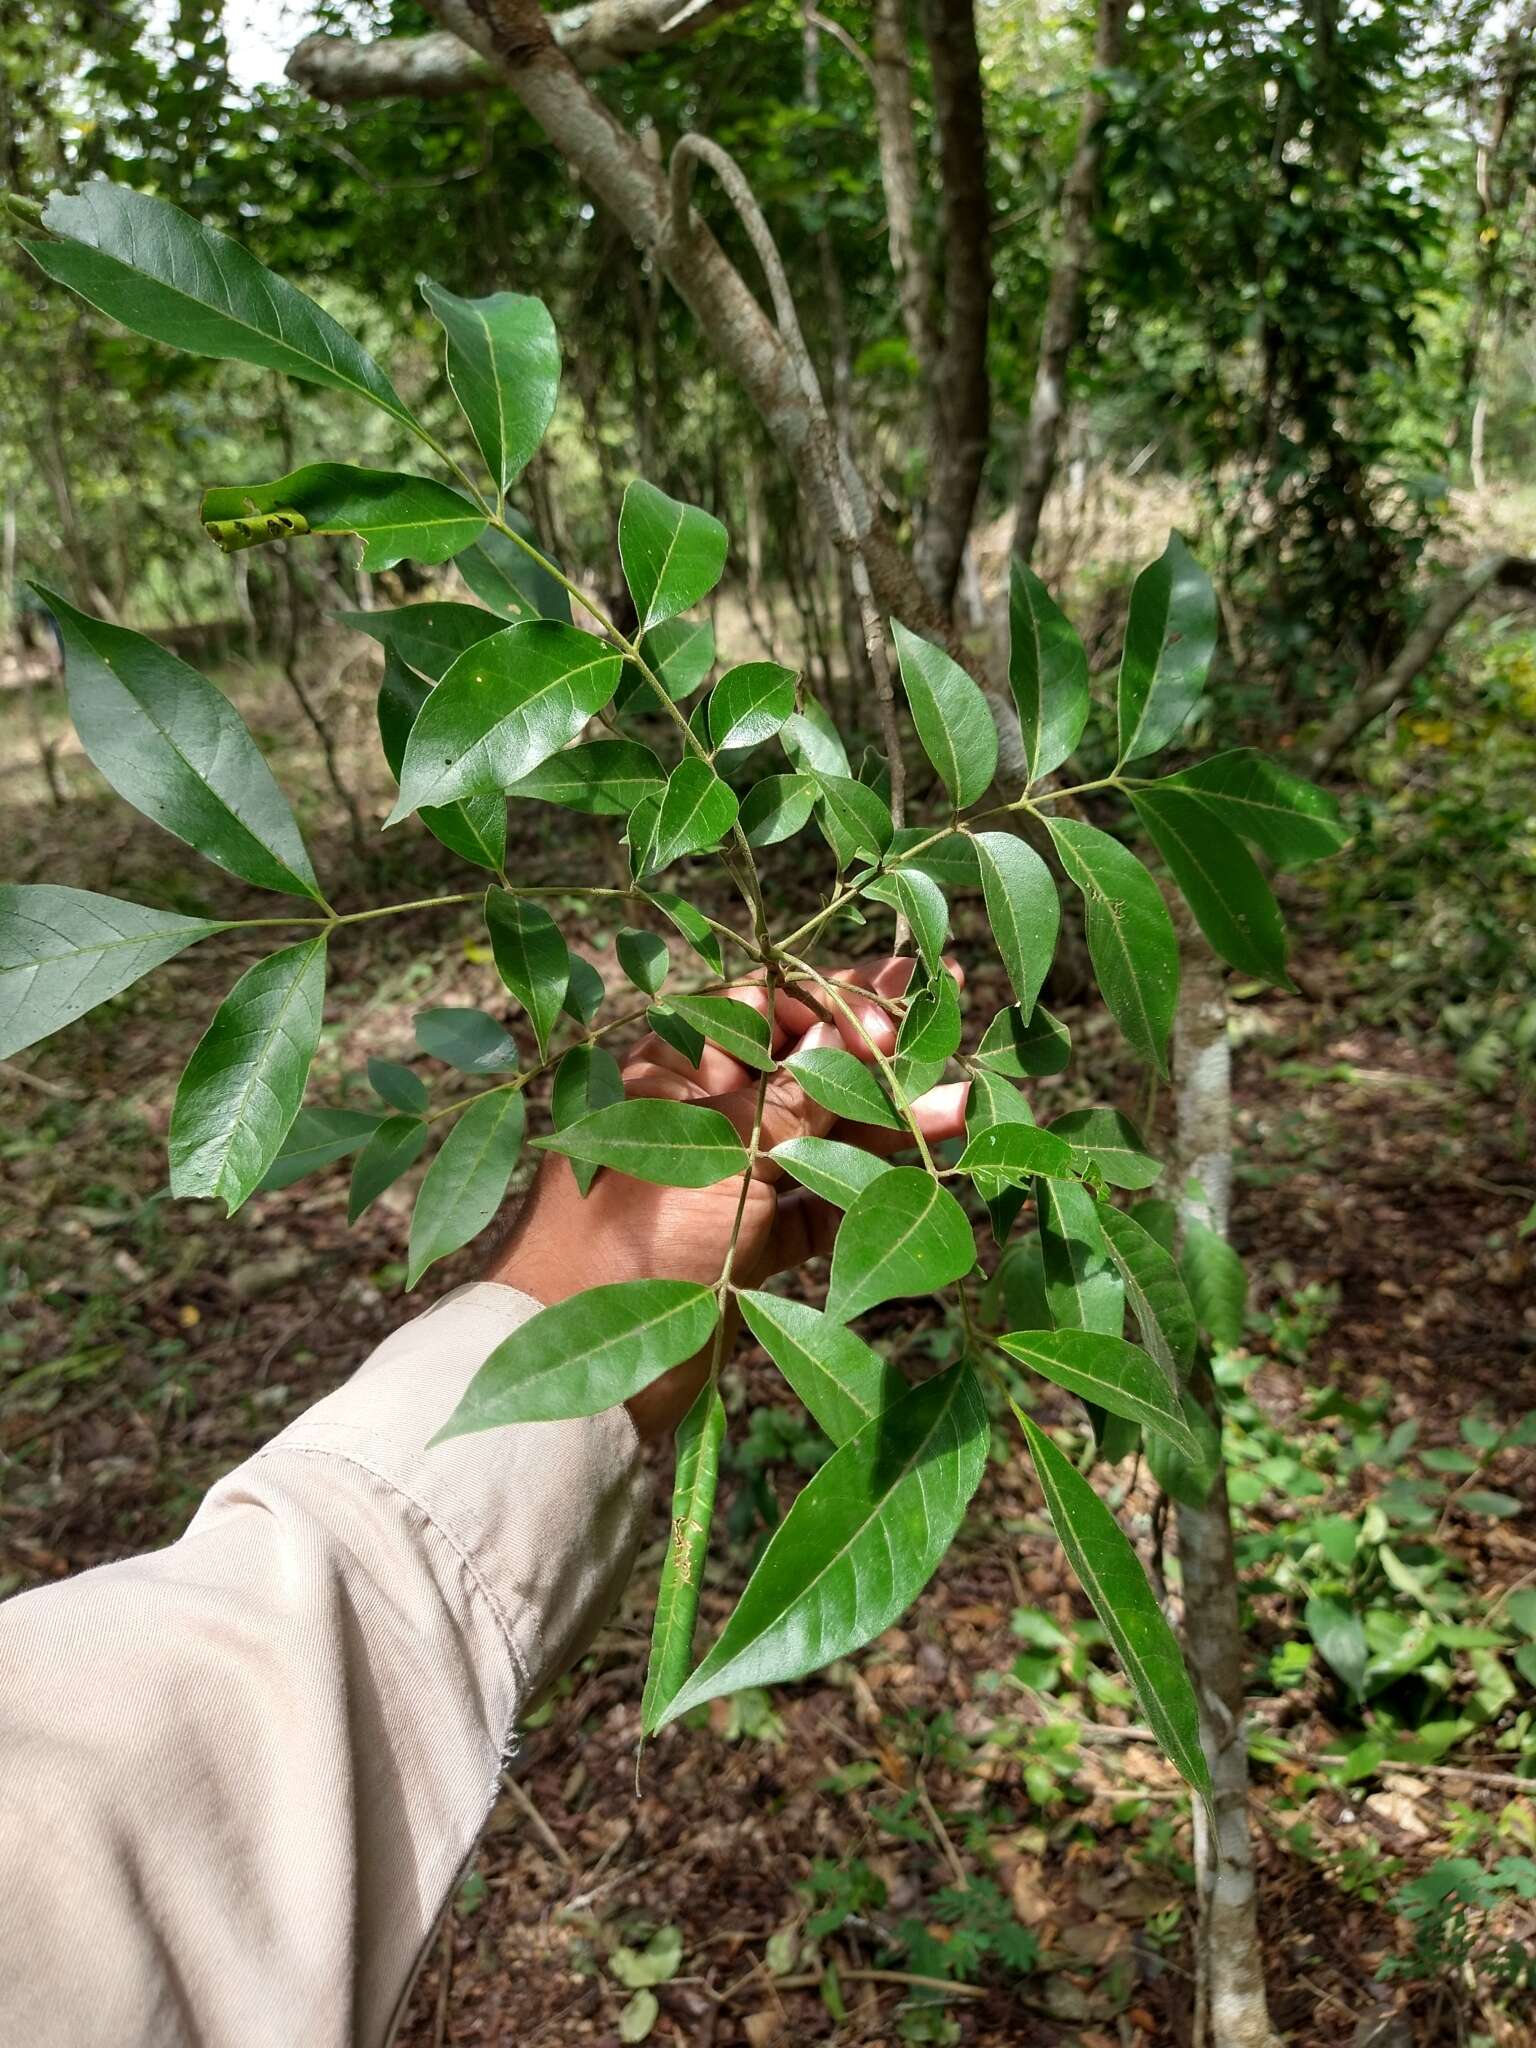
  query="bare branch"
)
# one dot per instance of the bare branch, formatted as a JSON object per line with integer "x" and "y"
{"x": 594, "y": 37}
{"x": 1451, "y": 599}
{"x": 847, "y": 493}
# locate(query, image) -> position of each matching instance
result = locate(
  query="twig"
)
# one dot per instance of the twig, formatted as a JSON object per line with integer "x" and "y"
{"x": 29, "y": 1080}
{"x": 810, "y": 1980}
{"x": 951, "y": 1855}
{"x": 540, "y": 1825}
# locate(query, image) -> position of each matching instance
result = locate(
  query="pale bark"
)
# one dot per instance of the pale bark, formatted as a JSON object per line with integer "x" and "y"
{"x": 890, "y": 75}
{"x": 960, "y": 395}
{"x": 1231, "y": 2009}
{"x": 1062, "y": 323}
{"x": 1451, "y": 599}
{"x": 432, "y": 67}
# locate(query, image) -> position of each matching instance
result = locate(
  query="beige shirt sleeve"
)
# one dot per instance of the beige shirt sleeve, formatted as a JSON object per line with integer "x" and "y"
{"x": 239, "y": 1777}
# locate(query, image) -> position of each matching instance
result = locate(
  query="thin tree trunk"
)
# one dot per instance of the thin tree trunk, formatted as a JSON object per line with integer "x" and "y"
{"x": 1231, "y": 2009}
{"x": 1060, "y": 328}
{"x": 960, "y": 393}
{"x": 890, "y": 74}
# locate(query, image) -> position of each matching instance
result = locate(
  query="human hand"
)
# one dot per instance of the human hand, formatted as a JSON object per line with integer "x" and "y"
{"x": 627, "y": 1229}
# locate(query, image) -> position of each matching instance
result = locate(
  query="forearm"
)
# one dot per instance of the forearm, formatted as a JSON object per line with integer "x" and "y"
{"x": 251, "y": 1765}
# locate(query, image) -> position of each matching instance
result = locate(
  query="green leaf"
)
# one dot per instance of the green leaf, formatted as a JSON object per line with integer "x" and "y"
{"x": 316, "y": 1138}
{"x": 427, "y": 637}
{"x": 1291, "y": 821}
{"x": 1023, "y": 910}
{"x": 398, "y": 1086}
{"x": 842, "y": 1083}
{"x": 396, "y": 517}
{"x": 509, "y": 579}
{"x": 1131, "y": 939}
{"x": 584, "y": 992}
{"x": 994, "y": 1101}
{"x": 639, "y": 2016}
{"x": 476, "y": 829}
{"x": 859, "y": 821}
{"x": 1011, "y": 1153}
{"x": 467, "y": 1181}
{"x": 859, "y": 1544}
{"x": 177, "y": 750}
{"x": 1016, "y": 1295}
{"x": 1021, "y": 1048}
{"x": 834, "y": 1171}
{"x": 1219, "y": 879}
{"x": 1340, "y": 1637}
{"x": 1112, "y": 1577}
{"x": 587, "y": 1078}
{"x": 813, "y": 742}
{"x": 750, "y": 703}
{"x": 697, "y": 811}
{"x": 1083, "y": 1288}
{"x": 64, "y": 951}
{"x": 1047, "y": 672}
{"x": 159, "y": 272}
{"x": 699, "y": 1437}
{"x": 672, "y": 554}
{"x": 244, "y": 1082}
{"x": 777, "y": 808}
{"x": 1217, "y": 1284}
{"x": 674, "y": 1144}
{"x": 470, "y": 1040}
{"x": 694, "y": 926}
{"x": 735, "y": 1027}
{"x": 604, "y": 779}
{"x": 640, "y": 836}
{"x": 531, "y": 957}
{"x": 905, "y": 1234}
{"x": 504, "y": 369}
{"x": 587, "y": 1354}
{"x": 656, "y": 1963}
{"x": 1157, "y": 1296}
{"x": 1187, "y": 1480}
{"x": 1112, "y": 1143}
{"x": 396, "y": 1145}
{"x": 644, "y": 958}
{"x": 1170, "y": 636}
{"x": 502, "y": 708}
{"x": 951, "y": 716}
{"x": 1108, "y": 1372}
{"x": 919, "y": 899}
{"x": 930, "y": 1030}
{"x": 842, "y": 1382}
{"x": 1160, "y": 1220}
{"x": 673, "y": 1031}
{"x": 679, "y": 653}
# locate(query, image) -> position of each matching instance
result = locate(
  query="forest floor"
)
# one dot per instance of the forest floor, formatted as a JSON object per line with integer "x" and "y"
{"x": 961, "y": 1802}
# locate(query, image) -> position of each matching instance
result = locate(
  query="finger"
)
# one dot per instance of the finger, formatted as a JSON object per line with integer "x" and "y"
{"x": 716, "y": 1072}
{"x": 940, "y": 1114}
{"x": 645, "y": 1077}
{"x": 790, "y": 1016}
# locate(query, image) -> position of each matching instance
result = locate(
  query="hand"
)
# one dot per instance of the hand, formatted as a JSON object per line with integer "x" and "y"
{"x": 626, "y": 1229}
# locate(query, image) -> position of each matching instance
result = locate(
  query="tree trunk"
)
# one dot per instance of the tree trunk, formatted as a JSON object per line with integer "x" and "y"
{"x": 1230, "y": 2006}
{"x": 891, "y": 78}
{"x": 1064, "y": 301}
{"x": 960, "y": 393}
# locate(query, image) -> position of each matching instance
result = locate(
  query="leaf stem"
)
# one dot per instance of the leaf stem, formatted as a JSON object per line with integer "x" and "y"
{"x": 743, "y": 871}
{"x": 835, "y": 996}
